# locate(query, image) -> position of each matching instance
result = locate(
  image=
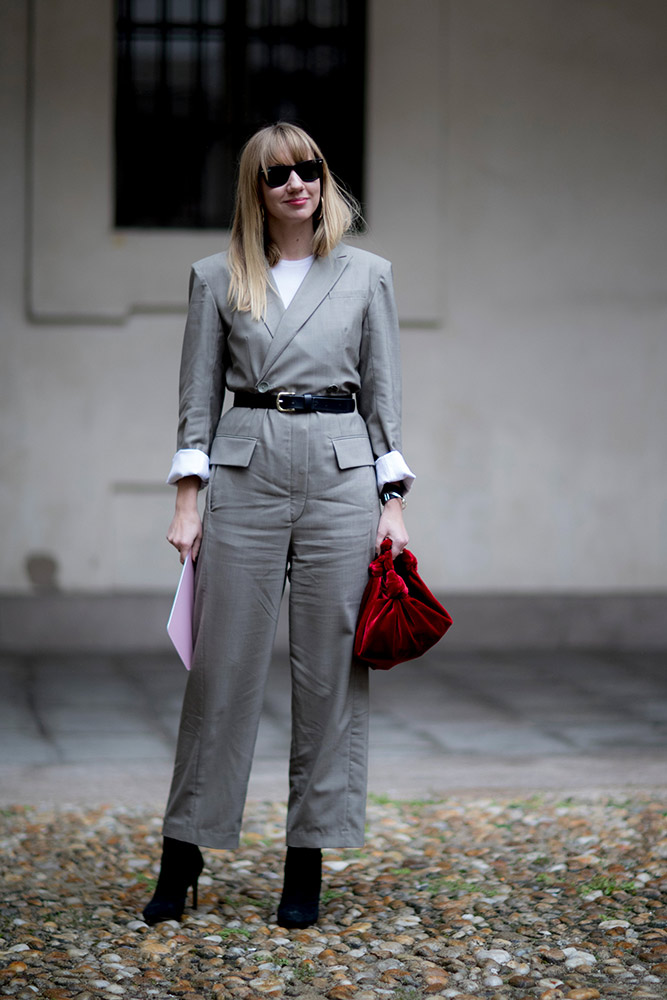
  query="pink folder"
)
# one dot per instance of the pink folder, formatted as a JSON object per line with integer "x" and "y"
{"x": 179, "y": 626}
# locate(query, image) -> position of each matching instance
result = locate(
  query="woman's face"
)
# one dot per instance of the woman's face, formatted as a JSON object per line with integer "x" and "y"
{"x": 295, "y": 201}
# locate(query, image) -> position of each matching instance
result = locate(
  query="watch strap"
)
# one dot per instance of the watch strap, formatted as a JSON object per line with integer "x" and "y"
{"x": 387, "y": 495}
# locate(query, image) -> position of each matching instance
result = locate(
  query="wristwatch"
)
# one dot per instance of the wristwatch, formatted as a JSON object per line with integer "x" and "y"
{"x": 386, "y": 495}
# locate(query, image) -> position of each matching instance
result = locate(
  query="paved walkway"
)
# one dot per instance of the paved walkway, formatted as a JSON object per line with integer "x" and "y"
{"x": 101, "y": 728}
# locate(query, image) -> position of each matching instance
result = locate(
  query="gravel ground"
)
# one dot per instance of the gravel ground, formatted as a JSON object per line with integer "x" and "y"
{"x": 541, "y": 897}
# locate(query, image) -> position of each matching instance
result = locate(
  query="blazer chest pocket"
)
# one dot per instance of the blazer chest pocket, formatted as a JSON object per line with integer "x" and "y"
{"x": 348, "y": 293}
{"x": 232, "y": 450}
{"x": 352, "y": 452}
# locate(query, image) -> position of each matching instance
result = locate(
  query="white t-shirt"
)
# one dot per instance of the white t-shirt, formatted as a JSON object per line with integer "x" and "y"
{"x": 287, "y": 275}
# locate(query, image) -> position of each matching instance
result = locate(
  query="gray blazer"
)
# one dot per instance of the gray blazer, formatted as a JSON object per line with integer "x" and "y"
{"x": 340, "y": 330}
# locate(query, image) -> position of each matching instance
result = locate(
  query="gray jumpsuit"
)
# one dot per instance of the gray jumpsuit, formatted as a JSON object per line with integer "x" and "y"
{"x": 285, "y": 488}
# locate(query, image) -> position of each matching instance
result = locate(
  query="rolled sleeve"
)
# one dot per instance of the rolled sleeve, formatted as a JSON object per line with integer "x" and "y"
{"x": 188, "y": 462}
{"x": 392, "y": 468}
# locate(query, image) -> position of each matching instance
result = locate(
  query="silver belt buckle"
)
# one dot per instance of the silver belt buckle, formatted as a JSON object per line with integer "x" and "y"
{"x": 279, "y": 405}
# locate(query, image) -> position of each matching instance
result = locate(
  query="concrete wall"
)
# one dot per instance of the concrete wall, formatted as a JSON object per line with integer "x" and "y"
{"x": 554, "y": 354}
{"x": 517, "y": 156}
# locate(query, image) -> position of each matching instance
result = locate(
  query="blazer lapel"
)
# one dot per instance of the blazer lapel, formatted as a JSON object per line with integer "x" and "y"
{"x": 317, "y": 284}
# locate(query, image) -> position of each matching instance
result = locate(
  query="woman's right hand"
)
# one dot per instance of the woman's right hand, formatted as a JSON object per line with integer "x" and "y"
{"x": 185, "y": 530}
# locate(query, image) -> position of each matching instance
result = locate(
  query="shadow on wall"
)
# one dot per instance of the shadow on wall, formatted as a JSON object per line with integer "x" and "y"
{"x": 42, "y": 572}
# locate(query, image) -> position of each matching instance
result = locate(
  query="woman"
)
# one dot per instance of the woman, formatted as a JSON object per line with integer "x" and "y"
{"x": 303, "y": 330}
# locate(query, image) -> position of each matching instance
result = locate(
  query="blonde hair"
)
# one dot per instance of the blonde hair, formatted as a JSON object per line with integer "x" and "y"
{"x": 250, "y": 248}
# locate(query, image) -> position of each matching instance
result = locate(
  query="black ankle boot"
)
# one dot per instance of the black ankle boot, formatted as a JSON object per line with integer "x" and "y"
{"x": 180, "y": 868}
{"x": 299, "y": 904}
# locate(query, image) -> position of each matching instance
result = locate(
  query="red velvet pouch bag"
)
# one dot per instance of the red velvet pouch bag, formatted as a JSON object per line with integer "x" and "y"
{"x": 399, "y": 618}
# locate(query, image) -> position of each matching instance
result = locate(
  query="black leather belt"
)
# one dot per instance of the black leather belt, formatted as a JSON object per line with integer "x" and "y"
{"x": 290, "y": 402}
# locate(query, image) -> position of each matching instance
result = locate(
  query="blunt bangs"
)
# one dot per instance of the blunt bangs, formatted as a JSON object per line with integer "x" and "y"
{"x": 285, "y": 145}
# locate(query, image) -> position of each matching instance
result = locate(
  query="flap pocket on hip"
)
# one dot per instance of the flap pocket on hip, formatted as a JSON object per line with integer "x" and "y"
{"x": 353, "y": 451}
{"x": 232, "y": 450}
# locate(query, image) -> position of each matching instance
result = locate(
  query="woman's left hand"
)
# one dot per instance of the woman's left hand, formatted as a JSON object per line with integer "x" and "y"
{"x": 391, "y": 526}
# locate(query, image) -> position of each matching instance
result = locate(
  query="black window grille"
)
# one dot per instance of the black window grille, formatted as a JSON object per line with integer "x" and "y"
{"x": 195, "y": 78}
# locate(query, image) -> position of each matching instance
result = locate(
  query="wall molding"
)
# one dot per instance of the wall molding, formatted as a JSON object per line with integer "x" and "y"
{"x": 136, "y": 622}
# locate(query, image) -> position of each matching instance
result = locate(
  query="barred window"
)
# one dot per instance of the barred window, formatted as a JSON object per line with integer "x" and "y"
{"x": 195, "y": 78}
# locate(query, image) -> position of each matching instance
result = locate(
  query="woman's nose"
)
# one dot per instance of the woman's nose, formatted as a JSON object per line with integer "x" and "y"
{"x": 294, "y": 181}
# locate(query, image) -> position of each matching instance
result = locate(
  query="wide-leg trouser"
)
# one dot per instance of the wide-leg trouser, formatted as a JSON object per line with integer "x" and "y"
{"x": 293, "y": 505}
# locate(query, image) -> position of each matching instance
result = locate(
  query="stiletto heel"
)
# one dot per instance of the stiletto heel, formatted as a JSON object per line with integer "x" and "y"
{"x": 180, "y": 868}
{"x": 300, "y": 900}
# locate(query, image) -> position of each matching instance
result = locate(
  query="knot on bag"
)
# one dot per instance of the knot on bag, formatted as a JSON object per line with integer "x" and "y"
{"x": 383, "y": 563}
{"x": 394, "y": 585}
{"x": 409, "y": 560}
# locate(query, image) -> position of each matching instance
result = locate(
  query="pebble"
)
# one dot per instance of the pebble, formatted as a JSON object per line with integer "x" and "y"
{"x": 493, "y": 981}
{"x": 435, "y": 980}
{"x": 467, "y": 899}
{"x": 497, "y": 955}
{"x": 342, "y": 992}
{"x": 555, "y": 955}
{"x": 575, "y": 958}
{"x": 519, "y": 980}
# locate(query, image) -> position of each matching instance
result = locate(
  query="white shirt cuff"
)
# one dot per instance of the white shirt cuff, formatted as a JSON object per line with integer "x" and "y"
{"x": 392, "y": 468}
{"x": 188, "y": 462}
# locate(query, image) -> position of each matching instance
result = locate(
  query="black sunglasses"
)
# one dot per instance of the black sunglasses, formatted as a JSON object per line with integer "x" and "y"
{"x": 308, "y": 170}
